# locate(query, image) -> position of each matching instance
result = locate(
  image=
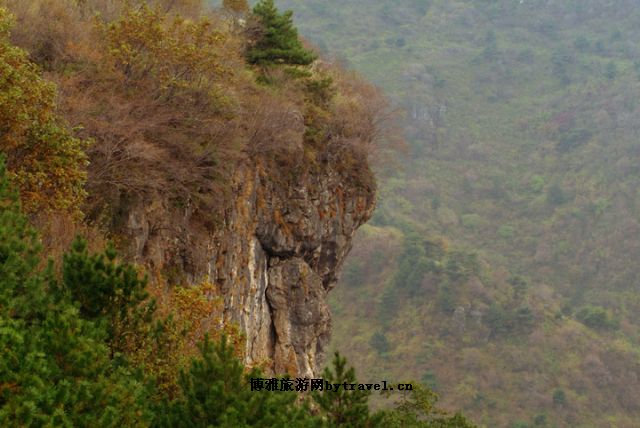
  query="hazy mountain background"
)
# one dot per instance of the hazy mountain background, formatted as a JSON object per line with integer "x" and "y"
{"x": 501, "y": 267}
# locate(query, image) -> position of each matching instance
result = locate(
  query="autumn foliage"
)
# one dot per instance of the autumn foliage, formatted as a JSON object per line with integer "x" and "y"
{"x": 163, "y": 101}
{"x": 44, "y": 158}
{"x": 166, "y": 96}
{"x": 166, "y": 103}
{"x": 171, "y": 103}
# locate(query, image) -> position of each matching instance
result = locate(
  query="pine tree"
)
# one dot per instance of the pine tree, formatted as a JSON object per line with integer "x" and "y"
{"x": 344, "y": 408}
{"x": 416, "y": 409}
{"x": 215, "y": 391}
{"x": 278, "y": 42}
{"x": 108, "y": 292}
{"x": 54, "y": 366}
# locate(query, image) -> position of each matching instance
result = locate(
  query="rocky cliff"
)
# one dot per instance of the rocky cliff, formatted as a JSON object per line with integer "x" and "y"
{"x": 214, "y": 155}
{"x": 274, "y": 256}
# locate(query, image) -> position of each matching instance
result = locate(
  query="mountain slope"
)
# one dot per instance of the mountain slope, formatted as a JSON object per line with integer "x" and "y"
{"x": 500, "y": 264}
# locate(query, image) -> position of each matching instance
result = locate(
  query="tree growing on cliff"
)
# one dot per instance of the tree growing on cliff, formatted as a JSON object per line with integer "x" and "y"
{"x": 277, "y": 42}
{"x": 56, "y": 368}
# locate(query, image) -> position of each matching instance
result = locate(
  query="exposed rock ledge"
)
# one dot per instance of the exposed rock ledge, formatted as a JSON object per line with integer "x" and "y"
{"x": 275, "y": 258}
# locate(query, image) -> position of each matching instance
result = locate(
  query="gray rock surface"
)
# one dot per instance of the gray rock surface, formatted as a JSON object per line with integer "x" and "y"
{"x": 274, "y": 257}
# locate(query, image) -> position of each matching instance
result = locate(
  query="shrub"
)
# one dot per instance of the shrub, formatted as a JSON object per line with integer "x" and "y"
{"x": 612, "y": 71}
{"x": 417, "y": 408}
{"x": 537, "y": 184}
{"x": 446, "y": 299}
{"x": 430, "y": 380}
{"x": 472, "y": 221}
{"x": 461, "y": 265}
{"x": 559, "y": 397}
{"x": 236, "y": 6}
{"x": 154, "y": 95}
{"x": 596, "y": 317}
{"x": 556, "y": 196}
{"x": 380, "y": 343}
{"x": 572, "y": 139}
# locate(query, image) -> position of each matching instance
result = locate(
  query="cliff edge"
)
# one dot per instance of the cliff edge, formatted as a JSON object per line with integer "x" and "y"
{"x": 217, "y": 153}
{"x": 274, "y": 258}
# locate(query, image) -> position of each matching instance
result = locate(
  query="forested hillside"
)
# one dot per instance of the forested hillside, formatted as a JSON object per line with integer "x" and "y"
{"x": 178, "y": 187}
{"x": 501, "y": 264}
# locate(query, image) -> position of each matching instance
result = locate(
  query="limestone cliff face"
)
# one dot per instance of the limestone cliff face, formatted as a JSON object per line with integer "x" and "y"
{"x": 275, "y": 257}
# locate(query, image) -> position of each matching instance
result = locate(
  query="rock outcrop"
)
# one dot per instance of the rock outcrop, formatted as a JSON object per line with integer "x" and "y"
{"x": 274, "y": 257}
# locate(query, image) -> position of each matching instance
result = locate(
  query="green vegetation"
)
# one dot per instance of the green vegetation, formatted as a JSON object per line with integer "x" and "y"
{"x": 59, "y": 364}
{"x": 278, "y": 43}
{"x": 521, "y": 124}
{"x": 168, "y": 96}
{"x": 44, "y": 159}
{"x": 215, "y": 392}
{"x": 345, "y": 407}
{"x": 596, "y": 317}
{"x": 416, "y": 409}
{"x": 55, "y": 367}
{"x": 498, "y": 267}
{"x": 69, "y": 350}
{"x": 380, "y": 343}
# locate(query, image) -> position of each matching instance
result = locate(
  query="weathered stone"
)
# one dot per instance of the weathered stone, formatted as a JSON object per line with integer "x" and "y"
{"x": 274, "y": 257}
{"x": 301, "y": 317}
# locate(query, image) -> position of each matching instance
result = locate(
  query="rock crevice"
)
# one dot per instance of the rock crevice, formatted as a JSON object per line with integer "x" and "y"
{"x": 275, "y": 257}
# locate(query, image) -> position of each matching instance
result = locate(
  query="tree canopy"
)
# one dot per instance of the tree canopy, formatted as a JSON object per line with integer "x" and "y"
{"x": 278, "y": 41}
{"x": 43, "y": 158}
